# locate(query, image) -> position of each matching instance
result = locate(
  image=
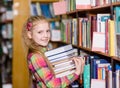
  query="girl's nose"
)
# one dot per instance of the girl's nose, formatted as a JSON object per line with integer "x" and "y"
{"x": 45, "y": 34}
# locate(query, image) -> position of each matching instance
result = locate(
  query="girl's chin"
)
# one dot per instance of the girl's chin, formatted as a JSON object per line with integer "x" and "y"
{"x": 45, "y": 44}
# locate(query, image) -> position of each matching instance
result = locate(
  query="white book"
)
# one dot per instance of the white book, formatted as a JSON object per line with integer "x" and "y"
{"x": 58, "y": 50}
{"x": 98, "y": 45}
{"x": 103, "y": 65}
{"x": 83, "y": 4}
{"x": 99, "y": 15}
{"x": 38, "y": 9}
{"x": 117, "y": 78}
{"x": 97, "y": 83}
{"x": 56, "y": 35}
{"x": 64, "y": 68}
{"x": 60, "y": 55}
{"x": 63, "y": 64}
{"x": 65, "y": 73}
{"x": 63, "y": 58}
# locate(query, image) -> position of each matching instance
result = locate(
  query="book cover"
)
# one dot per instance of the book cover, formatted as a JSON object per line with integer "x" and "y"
{"x": 98, "y": 45}
{"x": 118, "y": 45}
{"x": 55, "y": 35}
{"x": 86, "y": 76}
{"x": 38, "y": 9}
{"x": 45, "y": 10}
{"x": 81, "y": 4}
{"x": 97, "y": 83}
{"x": 58, "y": 50}
{"x": 60, "y": 59}
{"x": 94, "y": 63}
{"x": 103, "y": 16}
{"x": 66, "y": 54}
{"x": 112, "y": 39}
{"x": 117, "y": 18}
{"x": 60, "y": 7}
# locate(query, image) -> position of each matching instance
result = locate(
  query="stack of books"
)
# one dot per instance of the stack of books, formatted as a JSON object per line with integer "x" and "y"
{"x": 61, "y": 60}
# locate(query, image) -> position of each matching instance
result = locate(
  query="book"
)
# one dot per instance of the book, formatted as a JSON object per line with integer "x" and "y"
{"x": 38, "y": 9}
{"x": 86, "y": 76}
{"x": 117, "y": 18}
{"x": 112, "y": 39}
{"x": 60, "y": 7}
{"x": 94, "y": 62}
{"x": 60, "y": 59}
{"x": 45, "y": 10}
{"x": 81, "y": 4}
{"x": 101, "y": 67}
{"x": 63, "y": 55}
{"x": 58, "y": 50}
{"x": 101, "y": 21}
{"x": 65, "y": 73}
{"x": 56, "y": 35}
{"x": 98, "y": 45}
{"x": 97, "y": 83}
{"x": 118, "y": 45}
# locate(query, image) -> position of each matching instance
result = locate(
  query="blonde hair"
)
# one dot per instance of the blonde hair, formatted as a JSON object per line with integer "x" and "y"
{"x": 29, "y": 43}
{"x": 34, "y": 20}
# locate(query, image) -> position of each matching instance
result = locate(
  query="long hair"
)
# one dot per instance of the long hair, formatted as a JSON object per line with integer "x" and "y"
{"x": 29, "y": 43}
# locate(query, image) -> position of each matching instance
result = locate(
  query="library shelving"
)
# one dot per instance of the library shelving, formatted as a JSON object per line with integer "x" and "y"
{"x": 6, "y": 36}
{"x": 20, "y": 76}
{"x": 86, "y": 13}
{"x": 19, "y": 63}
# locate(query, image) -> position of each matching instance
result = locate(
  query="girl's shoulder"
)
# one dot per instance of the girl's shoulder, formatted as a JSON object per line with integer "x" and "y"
{"x": 30, "y": 55}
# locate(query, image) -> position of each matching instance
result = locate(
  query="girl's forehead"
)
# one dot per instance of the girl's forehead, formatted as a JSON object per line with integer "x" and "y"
{"x": 41, "y": 24}
{"x": 37, "y": 23}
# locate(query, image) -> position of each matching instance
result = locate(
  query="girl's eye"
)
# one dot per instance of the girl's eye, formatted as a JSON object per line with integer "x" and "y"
{"x": 48, "y": 30}
{"x": 39, "y": 32}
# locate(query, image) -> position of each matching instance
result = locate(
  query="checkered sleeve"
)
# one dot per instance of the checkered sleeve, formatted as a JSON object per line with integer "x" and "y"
{"x": 41, "y": 71}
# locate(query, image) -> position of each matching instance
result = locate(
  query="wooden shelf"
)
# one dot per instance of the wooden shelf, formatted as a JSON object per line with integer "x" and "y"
{"x": 6, "y": 21}
{"x": 89, "y": 50}
{"x": 44, "y": 1}
{"x": 96, "y": 9}
{"x": 54, "y": 19}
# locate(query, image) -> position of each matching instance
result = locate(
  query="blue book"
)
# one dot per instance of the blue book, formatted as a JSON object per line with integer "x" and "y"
{"x": 117, "y": 18}
{"x": 94, "y": 66}
{"x": 45, "y": 10}
{"x": 33, "y": 10}
{"x": 91, "y": 58}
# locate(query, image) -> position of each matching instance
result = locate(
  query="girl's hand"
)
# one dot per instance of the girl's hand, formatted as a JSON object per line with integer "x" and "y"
{"x": 79, "y": 62}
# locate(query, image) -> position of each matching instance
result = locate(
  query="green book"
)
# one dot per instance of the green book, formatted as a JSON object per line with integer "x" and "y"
{"x": 86, "y": 76}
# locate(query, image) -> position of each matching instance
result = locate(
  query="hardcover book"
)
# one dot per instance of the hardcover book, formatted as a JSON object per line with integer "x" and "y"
{"x": 60, "y": 59}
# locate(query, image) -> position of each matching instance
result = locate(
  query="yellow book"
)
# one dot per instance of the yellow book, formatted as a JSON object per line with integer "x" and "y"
{"x": 112, "y": 38}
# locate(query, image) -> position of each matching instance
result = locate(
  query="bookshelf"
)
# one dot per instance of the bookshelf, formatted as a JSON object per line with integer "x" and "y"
{"x": 44, "y": 1}
{"x": 20, "y": 76}
{"x": 18, "y": 51}
{"x": 107, "y": 8}
{"x": 6, "y": 38}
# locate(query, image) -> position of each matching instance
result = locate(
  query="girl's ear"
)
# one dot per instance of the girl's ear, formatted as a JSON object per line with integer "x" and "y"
{"x": 29, "y": 34}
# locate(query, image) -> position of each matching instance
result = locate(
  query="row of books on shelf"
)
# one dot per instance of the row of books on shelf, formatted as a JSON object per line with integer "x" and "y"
{"x": 49, "y": 10}
{"x": 97, "y": 32}
{"x": 97, "y": 70}
{"x": 100, "y": 73}
{"x": 45, "y": 9}
{"x": 6, "y": 31}
{"x": 6, "y": 16}
{"x": 7, "y": 48}
{"x": 72, "y": 5}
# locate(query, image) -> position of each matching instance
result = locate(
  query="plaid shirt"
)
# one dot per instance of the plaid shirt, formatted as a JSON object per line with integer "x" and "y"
{"x": 43, "y": 75}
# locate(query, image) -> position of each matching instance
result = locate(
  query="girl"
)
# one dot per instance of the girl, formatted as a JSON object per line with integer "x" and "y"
{"x": 36, "y": 35}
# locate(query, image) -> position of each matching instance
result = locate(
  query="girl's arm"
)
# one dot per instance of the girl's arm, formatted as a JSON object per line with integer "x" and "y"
{"x": 41, "y": 71}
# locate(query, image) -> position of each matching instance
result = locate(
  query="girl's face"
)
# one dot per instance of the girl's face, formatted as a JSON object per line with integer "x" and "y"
{"x": 40, "y": 33}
